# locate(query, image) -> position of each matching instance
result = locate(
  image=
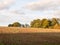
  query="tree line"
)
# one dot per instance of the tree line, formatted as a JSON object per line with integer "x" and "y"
{"x": 38, "y": 23}
{"x": 17, "y": 24}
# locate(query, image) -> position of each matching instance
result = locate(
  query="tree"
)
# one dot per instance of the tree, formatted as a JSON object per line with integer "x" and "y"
{"x": 56, "y": 26}
{"x": 58, "y": 19}
{"x": 45, "y": 23}
{"x": 54, "y": 21}
{"x": 36, "y": 23}
{"x": 10, "y": 25}
{"x": 42, "y": 21}
{"x": 16, "y": 24}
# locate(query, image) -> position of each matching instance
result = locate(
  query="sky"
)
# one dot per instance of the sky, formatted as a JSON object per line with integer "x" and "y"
{"x": 24, "y": 11}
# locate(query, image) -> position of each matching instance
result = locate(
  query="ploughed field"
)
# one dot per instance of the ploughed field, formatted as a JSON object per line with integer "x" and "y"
{"x": 29, "y": 36}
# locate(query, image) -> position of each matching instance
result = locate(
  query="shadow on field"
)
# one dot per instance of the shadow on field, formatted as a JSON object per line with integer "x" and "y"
{"x": 30, "y": 39}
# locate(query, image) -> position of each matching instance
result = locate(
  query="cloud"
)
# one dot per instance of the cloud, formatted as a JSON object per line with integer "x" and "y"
{"x": 4, "y": 4}
{"x": 57, "y": 12}
{"x": 12, "y": 12}
{"x": 5, "y": 18}
{"x": 48, "y": 7}
{"x": 18, "y": 12}
{"x": 44, "y": 5}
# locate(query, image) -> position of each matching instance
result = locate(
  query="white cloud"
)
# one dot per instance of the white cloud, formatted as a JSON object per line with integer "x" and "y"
{"x": 18, "y": 12}
{"x": 44, "y": 5}
{"x": 50, "y": 7}
{"x": 11, "y": 13}
{"x": 5, "y": 18}
{"x": 4, "y": 4}
{"x": 57, "y": 12}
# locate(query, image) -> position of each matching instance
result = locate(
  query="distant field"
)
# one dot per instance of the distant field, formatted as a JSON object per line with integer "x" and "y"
{"x": 29, "y": 36}
{"x": 25, "y": 30}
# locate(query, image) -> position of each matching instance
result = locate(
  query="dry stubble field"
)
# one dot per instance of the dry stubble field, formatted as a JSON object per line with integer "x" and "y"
{"x": 29, "y": 36}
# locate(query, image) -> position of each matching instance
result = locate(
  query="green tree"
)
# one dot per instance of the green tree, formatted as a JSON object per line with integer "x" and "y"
{"x": 36, "y": 23}
{"x": 16, "y": 24}
{"x": 10, "y": 25}
{"x": 54, "y": 21}
{"x": 42, "y": 21}
{"x": 45, "y": 23}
